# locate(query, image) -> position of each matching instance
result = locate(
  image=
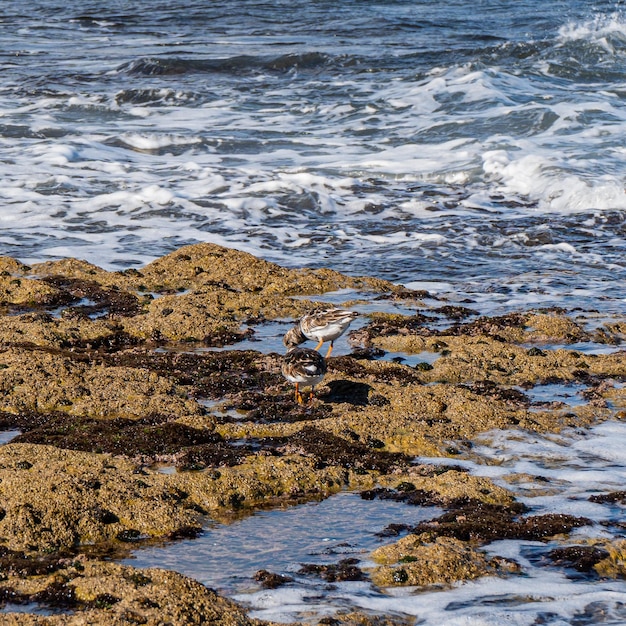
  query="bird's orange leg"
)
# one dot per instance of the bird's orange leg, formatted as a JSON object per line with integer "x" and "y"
{"x": 319, "y": 345}
{"x": 330, "y": 349}
{"x": 298, "y": 395}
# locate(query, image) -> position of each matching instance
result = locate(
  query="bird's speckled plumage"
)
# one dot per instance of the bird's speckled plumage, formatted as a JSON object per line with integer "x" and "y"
{"x": 322, "y": 325}
{"x": 305, "y": 367}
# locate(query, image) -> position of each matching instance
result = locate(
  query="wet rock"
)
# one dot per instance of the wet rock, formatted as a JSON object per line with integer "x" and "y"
{"x": 581, "y": 558}
{"x": 56, "y": 499}
{"x": 149, "y": 438}
{"x": 609, "y": 498}
{"x": 48, "y": 381}
{"x": 342, "y": 618}
{"x": 206, "y": 375}
{"x": 478, "y": 521}
{"x": 445, "y": 486}
{"x": 271, "y": 580}
{"x": 346, "y": 569}
{"x": 258, "y": 481}
{"x": 20, "y": 293}
{"x": 101, "y": 300}
{"x": 330, "y": 450}
{"x": 105, "y": 593}
{"x": 419, "y": 560}
{"x": 614, "y": 565}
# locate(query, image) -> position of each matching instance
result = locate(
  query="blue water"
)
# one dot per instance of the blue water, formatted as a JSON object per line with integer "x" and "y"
{"x": 476, "y": 149}
{"x": 475, "y": 146}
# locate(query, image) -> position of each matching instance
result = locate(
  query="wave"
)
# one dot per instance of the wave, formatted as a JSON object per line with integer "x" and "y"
{"x": 605, "y": 32}
{"x": 242, "y": 64}
{"x": 145, "y": 97}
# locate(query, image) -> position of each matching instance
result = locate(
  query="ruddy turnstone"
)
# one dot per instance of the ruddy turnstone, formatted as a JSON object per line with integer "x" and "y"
{"x": 321, "y": 325}
{"x": 305, "y": 367}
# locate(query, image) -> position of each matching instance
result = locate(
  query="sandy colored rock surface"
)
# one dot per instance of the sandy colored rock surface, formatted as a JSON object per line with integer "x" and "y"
{"x": 107, "y": 373}
{"x": 98, "y": 593}
{"x": 42, "y": 381}
{"x": 614, "y": 565}
{"x": 416, "y": 561}
{"x": 53, "y": 499}
{"x": 449, "y": 485}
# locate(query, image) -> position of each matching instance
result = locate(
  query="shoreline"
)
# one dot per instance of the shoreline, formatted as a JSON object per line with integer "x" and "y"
{"x": 99, "y": 374}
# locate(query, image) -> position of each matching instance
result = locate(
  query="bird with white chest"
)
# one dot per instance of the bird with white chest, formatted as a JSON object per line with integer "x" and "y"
{"x": 306, "y": 367}
{"x": 321, "y": 326}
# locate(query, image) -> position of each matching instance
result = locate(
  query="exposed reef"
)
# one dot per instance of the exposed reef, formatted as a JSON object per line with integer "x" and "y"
{"x": 105, "y": 374}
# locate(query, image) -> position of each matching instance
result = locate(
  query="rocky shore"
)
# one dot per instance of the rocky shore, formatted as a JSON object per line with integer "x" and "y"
{"x": 101, "y": 374}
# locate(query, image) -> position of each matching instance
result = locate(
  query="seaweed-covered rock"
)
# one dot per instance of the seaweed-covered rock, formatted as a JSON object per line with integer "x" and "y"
{"x": 417, "y": 560}
{"x": 53, "y": 499}
{"x": 46, "y": 381}
{"x": 97, "y": 592}
{"x": 614, "y": 565}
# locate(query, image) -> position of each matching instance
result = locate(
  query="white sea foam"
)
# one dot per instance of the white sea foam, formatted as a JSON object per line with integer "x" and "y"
{"x": 576, "y": 464}
{"x": 604, "y": 30}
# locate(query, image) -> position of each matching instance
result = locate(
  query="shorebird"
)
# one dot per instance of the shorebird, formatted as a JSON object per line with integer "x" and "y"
{"x": 321, "y": 325}
{"x": 305, "y": 367}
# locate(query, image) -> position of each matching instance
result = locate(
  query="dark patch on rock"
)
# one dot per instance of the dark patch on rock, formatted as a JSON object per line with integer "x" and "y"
{"x": 117, "y": 340}
{"x": 346, "y": 569}
{"x": 390, "y": 373}
{"x": 226, "y": 336}
{"x": 23, "y": 565}
{"x": 417, "y": 325}
{"x": 185, "y": 532}
{"x": 414, "y": 497}
{"x": 328, "y": 449}
{"x": 347, "y": 391}
{"x": 109, "y": 301}
{"x": 271, "y": 580}
{"x": 210, "y": 375}
{"x": 609, "y": 498}
{"x": 534, "y": 351}
{"x": 491, "y": 389}
{"x": 215, "y": 454}
{"x": 407, "y": 294}
{"x": 455, "y": 312}
{"x": 367, "y": 354}
{"x": 489, "y": 326}
{"x": 131, "y": 535}
{"x": 393, "y": 530}
{"x": 58, "y": 594}
{"x": 149, "y": 438}
{"x": 472, "y": 520}
{"x": 264, "y": 408}
{"x": 581, "y": 558}
{"x": 409, "y": 325}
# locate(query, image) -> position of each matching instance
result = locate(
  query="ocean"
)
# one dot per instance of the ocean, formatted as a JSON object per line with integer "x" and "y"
{"x": 473, "y": 149}
{"x": 478, "y": 147}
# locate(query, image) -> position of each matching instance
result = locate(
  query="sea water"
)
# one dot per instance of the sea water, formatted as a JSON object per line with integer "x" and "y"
{"x": 477, "y": 147}
{"x": 473, "y": 149}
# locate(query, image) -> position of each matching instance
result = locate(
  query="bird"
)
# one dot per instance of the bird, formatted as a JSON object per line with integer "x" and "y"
{"x": 321, "y": 325}
{"x": 305, "y": 367}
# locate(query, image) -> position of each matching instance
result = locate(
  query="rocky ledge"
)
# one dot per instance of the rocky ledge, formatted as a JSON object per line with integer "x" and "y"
{"x": 105, "y": 374}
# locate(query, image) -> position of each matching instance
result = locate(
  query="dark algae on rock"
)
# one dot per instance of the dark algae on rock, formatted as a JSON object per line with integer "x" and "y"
{"x": 107, "y": 375}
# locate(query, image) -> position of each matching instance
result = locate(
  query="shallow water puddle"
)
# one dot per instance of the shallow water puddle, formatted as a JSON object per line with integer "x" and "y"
{"x": 417, "y": 360}
{"x": 7, "y": 435}
{"x": 575, "y": 464}
{"x": 550, "y": 474}
{"x": 227, "y": 556}
{"x": 34, "y": 608}
{"x": 570, "y": 394}
{"x": 570, "y": 466}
